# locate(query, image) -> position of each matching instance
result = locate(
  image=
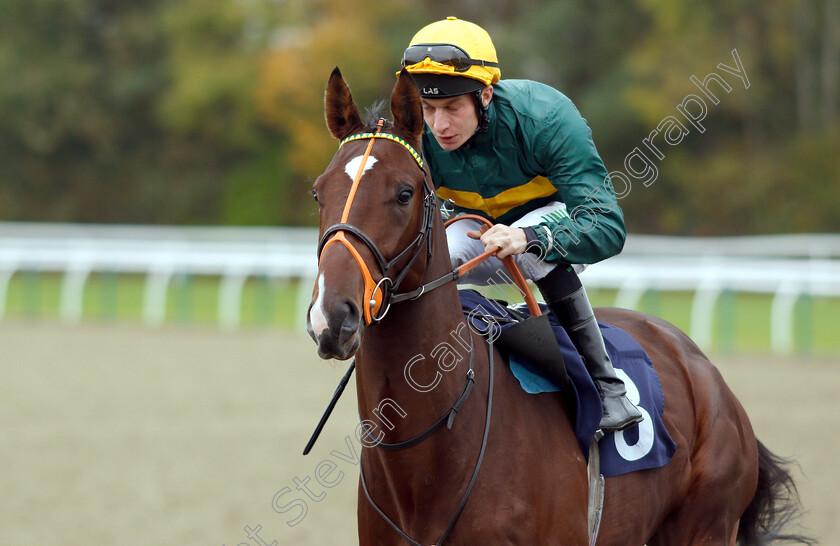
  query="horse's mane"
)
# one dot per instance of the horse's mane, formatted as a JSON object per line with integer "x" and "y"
{"x": 376, "y": 111}
{"x": 373, "y": 113}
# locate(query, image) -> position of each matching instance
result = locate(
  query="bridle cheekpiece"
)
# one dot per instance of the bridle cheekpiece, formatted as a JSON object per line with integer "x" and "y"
{"x": 379, "y": 295}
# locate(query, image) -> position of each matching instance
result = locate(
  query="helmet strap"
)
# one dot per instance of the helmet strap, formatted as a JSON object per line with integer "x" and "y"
{"x": 483, "y": 113}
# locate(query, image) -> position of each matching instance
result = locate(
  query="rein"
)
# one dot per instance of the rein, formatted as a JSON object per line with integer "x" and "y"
{"x": 447, "y": 417}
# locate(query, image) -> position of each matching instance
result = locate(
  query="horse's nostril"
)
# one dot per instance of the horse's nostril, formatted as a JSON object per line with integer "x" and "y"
{"x": 350, "y": 323}
{"x": 351, "y": 310}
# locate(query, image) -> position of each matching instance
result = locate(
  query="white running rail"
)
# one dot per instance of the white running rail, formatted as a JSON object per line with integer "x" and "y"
{"x": 786, "y": 266}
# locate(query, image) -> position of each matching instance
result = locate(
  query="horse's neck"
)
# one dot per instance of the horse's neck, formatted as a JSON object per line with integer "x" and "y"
{"x": 396, "y": 359}
{"x": 426, "y": 341}
{"x": 401, "y": 347}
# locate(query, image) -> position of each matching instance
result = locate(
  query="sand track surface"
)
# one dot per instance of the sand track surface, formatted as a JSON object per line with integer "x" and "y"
{"x": 126, "y": 435}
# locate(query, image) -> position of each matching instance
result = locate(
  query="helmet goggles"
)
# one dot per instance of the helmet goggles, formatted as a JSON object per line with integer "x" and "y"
{"x": 446, "y": 54}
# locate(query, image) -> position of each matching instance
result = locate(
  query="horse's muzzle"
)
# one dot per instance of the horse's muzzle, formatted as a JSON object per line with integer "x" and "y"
{"x": 341, "y": 337}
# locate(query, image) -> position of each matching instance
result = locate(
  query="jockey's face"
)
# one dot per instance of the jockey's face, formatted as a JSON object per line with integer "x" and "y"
{"x": 453, "y": 120}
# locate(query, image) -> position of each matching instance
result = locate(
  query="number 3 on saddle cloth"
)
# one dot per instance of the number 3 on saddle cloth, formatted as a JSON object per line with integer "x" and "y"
{"x": 642, "y": 446}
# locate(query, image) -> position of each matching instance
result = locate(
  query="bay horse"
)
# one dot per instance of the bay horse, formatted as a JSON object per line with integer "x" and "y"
{"x": 384, "y": 294}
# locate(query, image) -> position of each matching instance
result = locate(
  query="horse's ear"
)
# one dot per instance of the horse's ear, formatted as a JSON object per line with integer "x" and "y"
{"x": 406, "y": 107}
{"x": 339, "y": 109}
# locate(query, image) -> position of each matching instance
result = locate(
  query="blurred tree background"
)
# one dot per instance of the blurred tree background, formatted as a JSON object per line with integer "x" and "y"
{"x": 210, "y": 111}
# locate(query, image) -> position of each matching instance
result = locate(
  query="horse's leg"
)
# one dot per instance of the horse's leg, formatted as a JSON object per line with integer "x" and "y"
{"x": 709, "y": 513}
{"x": 724, "y": 473}
{"x": 719, "y": 462}
{"x": 673, "y": 532}
{"x": 686, "y": 526}
{"x": 711, "y": 509}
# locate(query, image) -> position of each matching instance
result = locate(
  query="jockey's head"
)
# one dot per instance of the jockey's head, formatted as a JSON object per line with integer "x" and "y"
{"x": 454, "y": 65}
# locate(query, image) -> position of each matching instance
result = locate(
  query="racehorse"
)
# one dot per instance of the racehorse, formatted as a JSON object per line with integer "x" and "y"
{"x": 509, "y": 470}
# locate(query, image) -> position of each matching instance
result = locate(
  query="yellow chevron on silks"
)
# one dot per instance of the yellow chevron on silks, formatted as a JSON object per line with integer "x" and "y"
{"x": 496, "y": 206}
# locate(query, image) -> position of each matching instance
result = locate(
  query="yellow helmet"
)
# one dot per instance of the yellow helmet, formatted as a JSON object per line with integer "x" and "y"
{"x": 451, "y": 57}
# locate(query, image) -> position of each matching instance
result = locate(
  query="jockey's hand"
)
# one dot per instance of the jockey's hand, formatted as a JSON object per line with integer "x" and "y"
{"x": 508, "y": 240}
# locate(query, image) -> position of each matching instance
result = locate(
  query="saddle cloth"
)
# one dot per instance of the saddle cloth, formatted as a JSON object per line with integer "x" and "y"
{"x": 642, "y": 446}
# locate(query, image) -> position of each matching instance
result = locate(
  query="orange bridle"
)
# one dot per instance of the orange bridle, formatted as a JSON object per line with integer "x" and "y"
{"x": 377, "y": 295}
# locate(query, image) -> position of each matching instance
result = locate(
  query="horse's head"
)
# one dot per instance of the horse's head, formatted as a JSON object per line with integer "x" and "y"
{"x": 376, "y": 209}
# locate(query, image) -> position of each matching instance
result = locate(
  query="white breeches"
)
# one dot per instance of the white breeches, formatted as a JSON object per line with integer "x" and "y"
{"x": 462, "y": 249}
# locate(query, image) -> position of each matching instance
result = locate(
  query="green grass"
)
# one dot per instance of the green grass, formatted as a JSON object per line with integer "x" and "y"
{"x": 190, "y": 299}
{"x": 742, "y": 321}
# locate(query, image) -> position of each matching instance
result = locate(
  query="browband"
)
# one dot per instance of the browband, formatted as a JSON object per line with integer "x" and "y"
{"x": 396, "y": 139}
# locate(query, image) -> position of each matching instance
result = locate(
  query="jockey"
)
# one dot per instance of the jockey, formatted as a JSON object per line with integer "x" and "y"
{"x": 519, "y": 153}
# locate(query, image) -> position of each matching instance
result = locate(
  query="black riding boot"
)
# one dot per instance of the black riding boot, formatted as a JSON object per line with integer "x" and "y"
{"x": 575, "y": 314}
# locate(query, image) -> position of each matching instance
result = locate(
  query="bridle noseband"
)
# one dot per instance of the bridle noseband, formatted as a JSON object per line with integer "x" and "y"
{"x": 379, "y": 295}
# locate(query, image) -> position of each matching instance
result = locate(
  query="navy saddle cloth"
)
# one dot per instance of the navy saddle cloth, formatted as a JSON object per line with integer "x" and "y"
{"x": 642, "y": 446}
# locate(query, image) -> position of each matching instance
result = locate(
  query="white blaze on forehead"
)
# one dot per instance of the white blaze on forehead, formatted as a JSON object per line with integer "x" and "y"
{"x": 317, "y": 317}
{"x": 352, "y": 167}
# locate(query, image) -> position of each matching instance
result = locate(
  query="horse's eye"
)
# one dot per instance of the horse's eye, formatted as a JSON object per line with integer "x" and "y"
{"x": 314, "y": 195}
{"x": 404, "y": 196}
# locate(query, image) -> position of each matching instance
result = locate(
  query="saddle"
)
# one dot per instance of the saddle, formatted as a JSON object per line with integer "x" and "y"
{"x": 524, "y": 337}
